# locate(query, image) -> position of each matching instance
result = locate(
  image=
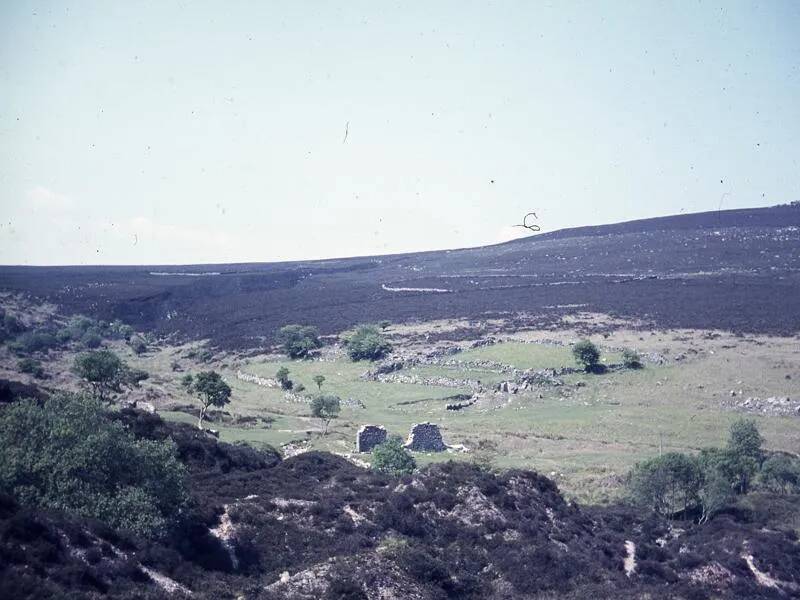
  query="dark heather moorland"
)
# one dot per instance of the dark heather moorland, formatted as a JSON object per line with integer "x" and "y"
{"x": 737, "y": 270}
{"x": 130, "y": 499}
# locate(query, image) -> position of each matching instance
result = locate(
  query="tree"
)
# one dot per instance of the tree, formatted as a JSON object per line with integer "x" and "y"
{"x": 384, "y": 325}
{"x": 586, "y": 355}
{"x": 326, "y": 408}
{"x": 65, "y": 453}
{"x": 746, "y": 456}
{"x": 367, "y": 343}
{"x": 209, "y": 388}
{"x": 106, "y": 374}
{"x": 283, "y": 378}
{"x": 631, "y": 359}
{"x": 666, "y": 484}
{"x": 319, "y": 380}
{"x": 298, "y": 341}
{"x": 391, "y": 458}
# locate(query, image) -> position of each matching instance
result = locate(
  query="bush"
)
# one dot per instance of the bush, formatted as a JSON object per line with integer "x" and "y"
{"x": 34, "y": 341}
{"x": 283, "y": 378}
{"x": 781, "y": 473}
{"x": 390, "y": 457}
{"x": 138, "y": 344}
{"x": 65, "y": 453}
{"x": 586, "y": 355}
{"x": 91, "y": 339}
{"x": 32, "y": 367}
{"x": 298, "y": 341}
{"x": 631, "y": 359}
{"x": 367, "y": 343}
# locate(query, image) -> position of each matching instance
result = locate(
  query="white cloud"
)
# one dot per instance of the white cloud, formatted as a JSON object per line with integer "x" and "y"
{"x": 42, "y": 198}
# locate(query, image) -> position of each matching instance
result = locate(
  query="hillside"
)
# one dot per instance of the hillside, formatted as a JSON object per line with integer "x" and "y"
{"x": 737, "y": 270}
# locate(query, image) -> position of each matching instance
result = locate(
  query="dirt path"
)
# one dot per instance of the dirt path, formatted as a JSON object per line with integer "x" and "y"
{"x": 630, "y": 558}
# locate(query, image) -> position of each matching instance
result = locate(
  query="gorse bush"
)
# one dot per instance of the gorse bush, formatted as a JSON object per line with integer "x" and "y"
{"x": 367, "y": 343}
{"x": 66, "y": 454}
{"x": 298, "y": 341}
{"x": 34, "y": 341}
{"x": 586, "y": 355}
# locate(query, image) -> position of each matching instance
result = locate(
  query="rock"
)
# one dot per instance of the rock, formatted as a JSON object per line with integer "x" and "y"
{"x": 146, "y": 407}
{"x": 425, "y": 437}
{"x": 369, "y": 436}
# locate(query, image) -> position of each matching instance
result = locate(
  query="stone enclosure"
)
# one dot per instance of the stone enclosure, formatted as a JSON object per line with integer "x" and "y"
{"x": 424, "y": 437}
{"x": 369, "y": 436}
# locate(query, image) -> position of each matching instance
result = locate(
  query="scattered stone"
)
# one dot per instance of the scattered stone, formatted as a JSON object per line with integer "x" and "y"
{"x": 425, "y": 437}
{"x": 369, "y": 436}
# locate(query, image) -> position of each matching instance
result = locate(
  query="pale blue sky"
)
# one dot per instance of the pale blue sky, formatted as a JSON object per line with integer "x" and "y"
{"x": 166, "y": 132}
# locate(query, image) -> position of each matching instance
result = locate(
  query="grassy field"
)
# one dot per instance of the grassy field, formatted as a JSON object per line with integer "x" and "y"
{"x": 586, "y": 434}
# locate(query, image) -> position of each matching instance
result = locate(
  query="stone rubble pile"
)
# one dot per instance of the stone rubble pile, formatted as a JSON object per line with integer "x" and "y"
{"x": 774, "y": 405}
{"x": 262, "y": 381}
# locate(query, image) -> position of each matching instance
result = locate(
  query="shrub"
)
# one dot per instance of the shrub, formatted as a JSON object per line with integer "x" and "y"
{"x": 32, "y": 367}
{"x": 283, "y": 378}
{"x": 586, "y": 355}
{"x": 138, "y": 344}
{"x": 64, "y": 453}
{"x": 367, "y": 343}
{"x": 34, "y": 341}
{"x": 666, "y": 484}
{"x": 631, "y": 359}
{"x": 326, "y": 408}
{"x": 298, "y": 340}
{"x": 781, "y": 473}
{"x": 91, "y": 339}
{"x": 390, "y": 457}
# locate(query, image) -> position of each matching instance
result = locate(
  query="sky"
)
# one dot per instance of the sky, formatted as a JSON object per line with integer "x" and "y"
{"x": 206, "y": 132}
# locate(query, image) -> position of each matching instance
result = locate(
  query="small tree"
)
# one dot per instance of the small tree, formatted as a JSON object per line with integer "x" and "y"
{"x": 298, "y": 341}
{"x": 283, "y": 378}
{"x": 390, "y": 457}
{"x": 138, "y": 344}
{"x": 210, "y": 389}
{"x": 744, "y": 448}
{"x": 326, "y": 408}
{"x": 586, "y": 355}
{"x": 384, "y": 325}
{"x": 319, "y": 380}
{"x": 631, "y": 359}
{"x": 666, "y": 484}
{"x": 105, "y": 373}
{"x": 367, "y": 343}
